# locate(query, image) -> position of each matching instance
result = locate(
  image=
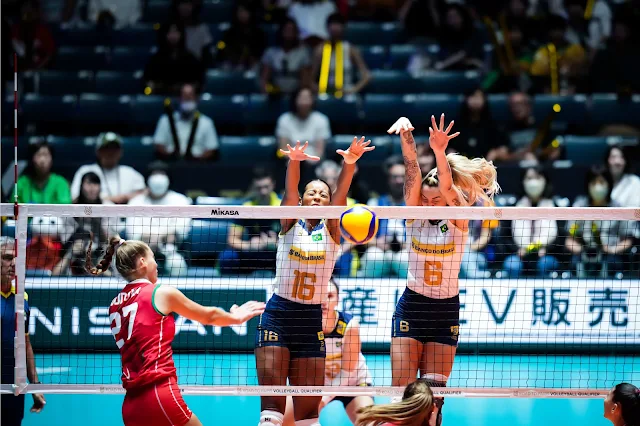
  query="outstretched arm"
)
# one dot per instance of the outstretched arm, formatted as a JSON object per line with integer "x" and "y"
{"x": 350, "y": 156}
{"x": 292, "y": 181}
{"x": 439, "y": 140}
{"x": 412, "y": 174}
{"x": 169, "y": 299}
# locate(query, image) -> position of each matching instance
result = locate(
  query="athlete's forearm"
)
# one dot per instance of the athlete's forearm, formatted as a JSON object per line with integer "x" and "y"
{"x": 344, "y": 184}
{"x": 445, "y": 178}
{"x": 221, "y": 318}
{"x": 292, "y": 181}
{"x": 412, "y": 174}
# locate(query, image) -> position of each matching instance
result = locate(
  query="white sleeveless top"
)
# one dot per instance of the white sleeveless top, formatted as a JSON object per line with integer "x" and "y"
{"x": 347, "y": 67}
{"x": 435, "y": 255}
{"x": 333, "y": 341}
{"x": 304, "y": 263}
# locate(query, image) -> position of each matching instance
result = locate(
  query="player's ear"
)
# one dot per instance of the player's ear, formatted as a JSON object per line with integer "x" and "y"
{"x": 299, "y": 201}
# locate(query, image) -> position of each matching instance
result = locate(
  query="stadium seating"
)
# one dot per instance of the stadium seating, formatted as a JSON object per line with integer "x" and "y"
{"x": 207, "y": 238}
{"x": 373, "y": 33}
{"x": 129, "y": 58}
{"x": 374, "y": 56}
{"x": 247, "y": 151}
{"x": 45, "y": 111}
{"x": 146, "y": 110}
{"x": 609, "y": 109}
{"x": 111, "y": 82}
{"x": 343, "y": 113}
{"x": 80, "y": 58}
{"x": 220, "y": 82}
{"x": 589, "y": 149}
{"x": 59, "y": 82}
{"x": 100, "y": 113}
{"x": 227, "y": 112}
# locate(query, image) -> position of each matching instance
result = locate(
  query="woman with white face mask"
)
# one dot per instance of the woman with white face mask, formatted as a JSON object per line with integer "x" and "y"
{"x": 597, "y": 246}
{"x": 533, "y": 237}
{"x": 162, "y": 234}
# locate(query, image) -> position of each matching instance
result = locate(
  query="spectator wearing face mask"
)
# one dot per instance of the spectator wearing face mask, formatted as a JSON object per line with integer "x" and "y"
{"x": 118, "y": 183}
{"x": 186, "y": 133}
{"x": 597, "y": 245}
{"x": 533, "y": 237}
{"x": 162, "y": 234}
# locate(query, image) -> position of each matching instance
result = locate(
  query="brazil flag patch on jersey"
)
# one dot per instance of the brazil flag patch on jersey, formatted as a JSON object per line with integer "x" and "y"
{"x": 444, "y": 228}
{"x": 316, "y": 237}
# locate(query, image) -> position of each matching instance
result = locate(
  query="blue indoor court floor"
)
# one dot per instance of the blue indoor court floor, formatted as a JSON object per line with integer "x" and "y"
{"x": 587, "y": 371}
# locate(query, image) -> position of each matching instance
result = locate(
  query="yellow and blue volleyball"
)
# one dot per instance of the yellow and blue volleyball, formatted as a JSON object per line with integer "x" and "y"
{"x": 358, "y": 224}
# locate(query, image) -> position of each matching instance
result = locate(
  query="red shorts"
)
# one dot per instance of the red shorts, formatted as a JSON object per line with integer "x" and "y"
{"x": 159, "y": 404}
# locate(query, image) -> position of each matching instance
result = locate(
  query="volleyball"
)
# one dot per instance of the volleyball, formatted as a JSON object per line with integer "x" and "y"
{"x": 358, "y": 224}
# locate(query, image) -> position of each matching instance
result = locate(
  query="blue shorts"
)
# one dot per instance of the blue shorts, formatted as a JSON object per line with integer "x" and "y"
{"x": 292, "y": 325}
{"x": 12, "y": 409}
{"x": 427, "y": 320}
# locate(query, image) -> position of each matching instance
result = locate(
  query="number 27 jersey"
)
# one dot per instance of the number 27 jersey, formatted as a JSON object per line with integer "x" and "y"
{"x": 143, "y": 335}
{"x": 304, "y": 263}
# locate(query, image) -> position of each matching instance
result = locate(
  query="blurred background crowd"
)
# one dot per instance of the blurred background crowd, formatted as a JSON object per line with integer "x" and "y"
{"x": 174, "y": 102}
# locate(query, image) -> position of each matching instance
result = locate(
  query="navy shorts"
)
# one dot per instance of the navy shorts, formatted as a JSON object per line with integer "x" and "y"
{"x": 12, "y": 410}
{"x": 427, "y": 320}
{"x": 292, "y": 325}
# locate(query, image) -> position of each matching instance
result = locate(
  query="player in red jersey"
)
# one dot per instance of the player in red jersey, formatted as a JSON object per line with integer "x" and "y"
{"x": 143, "y": 327}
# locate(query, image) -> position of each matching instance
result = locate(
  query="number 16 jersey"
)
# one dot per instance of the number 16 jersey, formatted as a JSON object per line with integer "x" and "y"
{"x": 304, "y": 263}
{"x": 435, "y": 255}
{"x": 143, "y": 335}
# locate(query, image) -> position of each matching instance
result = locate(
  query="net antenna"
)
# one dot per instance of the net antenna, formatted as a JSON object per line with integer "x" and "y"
{"x": 203, "y": 355}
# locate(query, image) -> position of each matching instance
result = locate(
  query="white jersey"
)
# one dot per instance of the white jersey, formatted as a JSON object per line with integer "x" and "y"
{"x": 435, "y": 255}
{"x": 333, "y": 341}
{"x": 304, "y": 263}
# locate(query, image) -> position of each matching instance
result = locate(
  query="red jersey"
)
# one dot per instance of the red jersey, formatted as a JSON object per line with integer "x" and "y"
{"x": 143, "y": 335}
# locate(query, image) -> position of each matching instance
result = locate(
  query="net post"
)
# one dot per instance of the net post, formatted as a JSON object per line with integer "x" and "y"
{"x": 20, "y": 353}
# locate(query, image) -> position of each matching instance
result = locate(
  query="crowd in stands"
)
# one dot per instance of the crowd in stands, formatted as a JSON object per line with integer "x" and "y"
{"x": 534, "y": 85}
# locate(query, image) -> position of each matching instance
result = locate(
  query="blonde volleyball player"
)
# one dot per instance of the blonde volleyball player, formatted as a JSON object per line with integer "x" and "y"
{"x": 289, "y": 340}
{"x": 426, "y": 320}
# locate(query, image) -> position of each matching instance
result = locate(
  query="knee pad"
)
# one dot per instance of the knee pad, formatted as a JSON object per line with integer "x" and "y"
{"x": 271, "y": 418}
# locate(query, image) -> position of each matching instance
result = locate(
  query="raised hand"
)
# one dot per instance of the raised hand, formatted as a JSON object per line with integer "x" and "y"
{"x": 297, "y": 152}
{"x": 439, "y": 137}
{"x": 355, "y": 150}
{"x": 247, "y": 311}
{"x": 401, "y": 126}
{"x": 38, "y": 403}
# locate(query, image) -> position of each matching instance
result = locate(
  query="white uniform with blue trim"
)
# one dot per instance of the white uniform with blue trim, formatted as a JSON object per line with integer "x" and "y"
{"x": 435, "y": 255}
{"x": 333, "y": 341}
{"x": 304, "y": 263}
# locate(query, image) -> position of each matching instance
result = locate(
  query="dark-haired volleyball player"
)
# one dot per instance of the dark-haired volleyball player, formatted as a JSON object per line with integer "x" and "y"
{"x": 143, "y": 327}
{"x": 289, "y": 340}
{"x": 426, "y": 320}
{"x": 622, "y": 405}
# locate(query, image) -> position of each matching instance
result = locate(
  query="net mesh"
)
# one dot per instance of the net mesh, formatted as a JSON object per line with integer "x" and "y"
{"x": 548, "y": 297}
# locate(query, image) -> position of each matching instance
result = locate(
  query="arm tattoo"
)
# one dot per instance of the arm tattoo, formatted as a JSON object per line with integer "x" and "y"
{"x": 411, "y": 174}
{"x": 456, "y": 202}
{"x": 407, "y": 138}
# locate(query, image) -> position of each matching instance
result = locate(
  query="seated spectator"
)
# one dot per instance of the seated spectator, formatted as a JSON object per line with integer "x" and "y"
{"x": 597, "y": 246}
{"x": 614, "y": 68}
{"x": 302, "y": 123}
{"x": 421, "y": 19}
{"x": 195, "y": 134}
{"x": 243, "y": 43}
{"x": 387, "y": 253}
{"x": 474, "y": 261}
{"x": 461, "y": 46}
{"x": 479, "y": 134}
{"x": 163, "y": 234}
{"x": 590, "y": 32}
{"x": 32, "y": 39}
{"x": 172, "y": 65}
{"x": 571, "y": 59}
{"x": 118, "y": 183}
{"x": 38, "y": 185}
{"x": 119, "y": 13}
{"x": 44, "y": 246}
{"x": 198, "y": 39}
{"x": 533, "y": 238}
{"x": 252, "y": 243}
{"x": 286, "y": 66}
{"x": 311, "y": 17}
{"x": 426, "y": 158}
{"x": 514, "y": 75}
{"x": 521, "y": 13}
{"x": 352, "y": 65}
{"x": 626, "y": 185}
{"x": 78, "y": 230}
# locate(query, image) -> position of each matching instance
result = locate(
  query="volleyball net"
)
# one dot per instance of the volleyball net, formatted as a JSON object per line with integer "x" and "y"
{"x": 549, "y": 297}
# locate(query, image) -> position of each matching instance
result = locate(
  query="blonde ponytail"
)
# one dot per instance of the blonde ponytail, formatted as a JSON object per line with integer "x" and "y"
{"x": 414, "y": 409}
{"x": 474, "y": 179}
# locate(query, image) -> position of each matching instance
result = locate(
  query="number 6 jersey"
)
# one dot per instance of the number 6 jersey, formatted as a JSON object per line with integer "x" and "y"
{"x": 304, "y": 263}
{"x": 143, "y": 335}
{"x": 435, "y": 254}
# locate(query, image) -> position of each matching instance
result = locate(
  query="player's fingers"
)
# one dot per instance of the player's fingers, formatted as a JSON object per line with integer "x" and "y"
{"x": 366, "y": 143}
{"x": 313, "y": 157}
{"x": 284, "y": 152}
{"x": 341, "y": 152}
{"x": 442, "y": 122}
{"x": 449, "y": 128}
{"x": 306, "y": 144}
{"x": 454, "y": 135}
{"x": 433, "y": 122}
{"x": 369, "y": 148}
{"x": 391, "y": 129}
{"x": 297, "y": 144}
{"x": 430, "y": 131}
